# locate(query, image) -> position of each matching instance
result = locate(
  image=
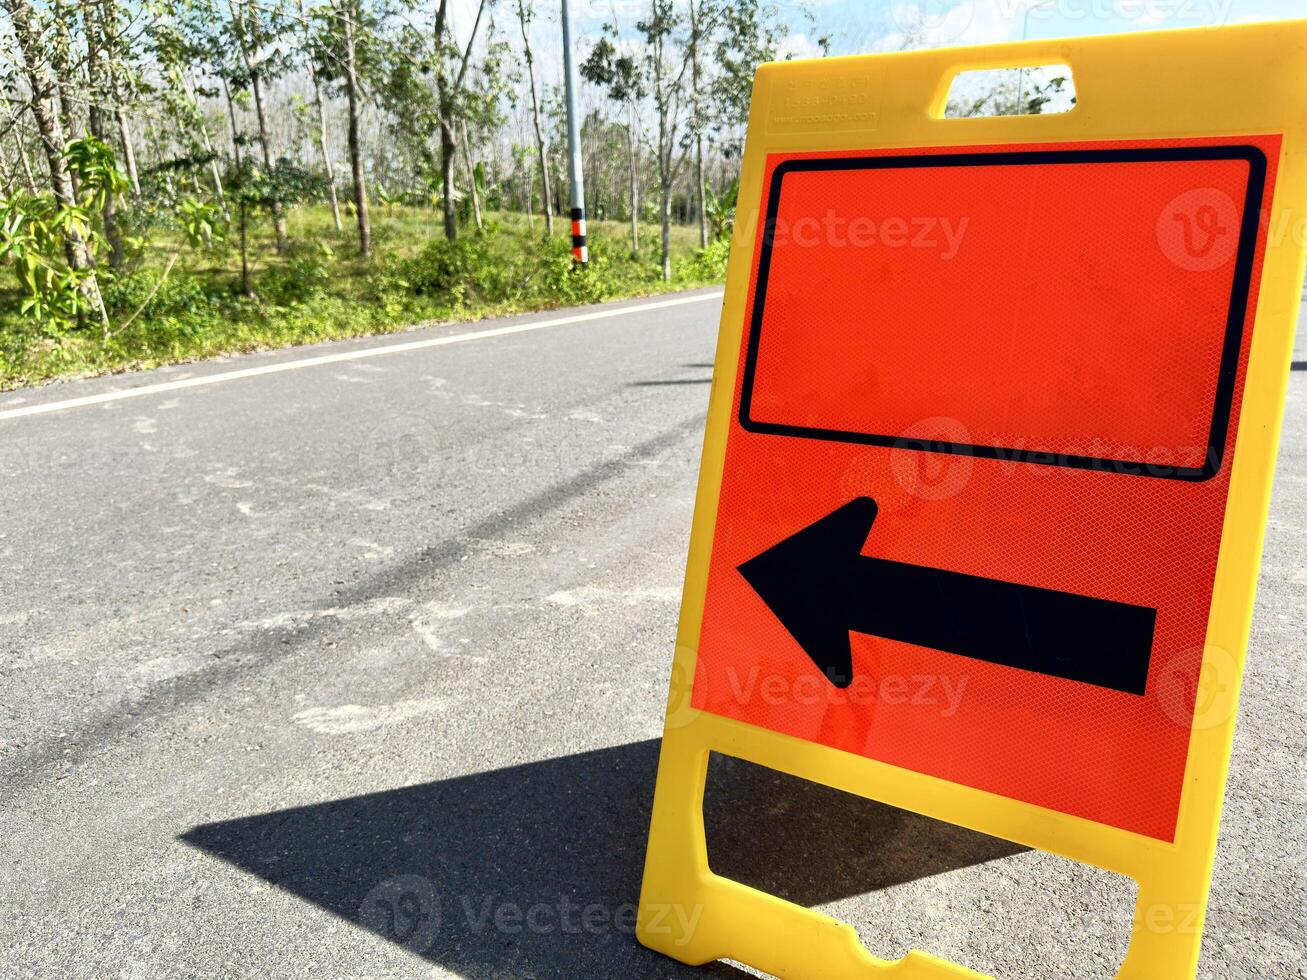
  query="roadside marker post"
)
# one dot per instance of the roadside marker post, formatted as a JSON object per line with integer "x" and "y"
{"x": 997, "y": 403}
{"x": 576, "y": 171}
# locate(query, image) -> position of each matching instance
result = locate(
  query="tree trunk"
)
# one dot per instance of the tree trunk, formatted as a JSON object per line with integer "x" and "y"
{"x": 355, "y": 147}
{"x": 23, "y": 158}
{"x": 444, "y": 99}
{"x": 256, "y": 87}
{"x": 323, "y": 145}
{"x": 523, "y": 19}
{"x": 20, "y": 148}
{"x": 278, "y": 212}
{"x": 247, "y": 285}
{"x": 447, "y": 180}
{"x": 700, "y": 183}
{"x": 95, "y": 78}
{"x": 446, "y": 91}
{"x": 634, "y": 152}
{"x": 472, "y": 178}
{"x": 703, "y": 193}
{"x": 200, "y": 127}
{"x": 666, "y": 93}
{"x": 327, "y": 165}
{"x": 109, "y": 44}
{"x": 666, "y": 149}
{"x": 129, "y": 151}
{"x": 214, "y": 169}
{"x": 528, "y": 194}
{"x": 63, "y": 75}
{"x": 44, "y": 99}
{"x": 667, "y": 230}
{"x": 235, "y": 130}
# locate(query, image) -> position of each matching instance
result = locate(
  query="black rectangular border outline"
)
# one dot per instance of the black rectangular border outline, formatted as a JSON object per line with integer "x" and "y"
{"x": 1239, "y": 299}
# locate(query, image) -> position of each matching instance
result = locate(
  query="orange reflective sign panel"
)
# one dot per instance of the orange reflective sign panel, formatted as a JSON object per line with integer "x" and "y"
{"x": 978, "y": 462}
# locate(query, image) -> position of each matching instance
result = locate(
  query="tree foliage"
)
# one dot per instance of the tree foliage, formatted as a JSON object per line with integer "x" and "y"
{"x": 133, "y": 133}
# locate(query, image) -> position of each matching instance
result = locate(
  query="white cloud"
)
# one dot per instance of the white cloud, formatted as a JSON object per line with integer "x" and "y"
{"x": 798, "y": 46}
{"x": 937, "y": 23}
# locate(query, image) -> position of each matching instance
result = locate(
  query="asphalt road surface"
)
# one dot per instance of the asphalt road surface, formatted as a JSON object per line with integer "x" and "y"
{"x": 356, "y": 668}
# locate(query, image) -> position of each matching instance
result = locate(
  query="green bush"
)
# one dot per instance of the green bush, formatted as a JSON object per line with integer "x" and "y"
{"x": 305, "y": 274}
{"x": 176, "y": 296}
{"x": 562, "y": 281}
{"x": 708, "y": 264}
{"x": 456, "y": 272}
{"x": 493, "y": 269}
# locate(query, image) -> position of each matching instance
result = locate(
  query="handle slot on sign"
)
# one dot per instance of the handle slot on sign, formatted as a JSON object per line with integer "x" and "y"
{"x": 1024, "y": 90}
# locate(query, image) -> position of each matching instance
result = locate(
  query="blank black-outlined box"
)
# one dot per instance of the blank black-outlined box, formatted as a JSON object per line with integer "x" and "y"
{"x": 1245, "y": 259}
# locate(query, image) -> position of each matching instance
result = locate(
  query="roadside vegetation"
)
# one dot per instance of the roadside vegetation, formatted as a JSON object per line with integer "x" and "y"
{"x": 184, "y": 299}
{"x": 184, "y": 178}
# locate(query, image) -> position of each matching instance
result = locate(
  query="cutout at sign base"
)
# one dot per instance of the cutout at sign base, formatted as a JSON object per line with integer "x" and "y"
{"x": 696, "y": 917}
{"x": 1063, "y": 366}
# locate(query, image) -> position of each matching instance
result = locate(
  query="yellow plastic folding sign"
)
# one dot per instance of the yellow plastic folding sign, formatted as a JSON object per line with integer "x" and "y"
{"x": 996, "y": 403}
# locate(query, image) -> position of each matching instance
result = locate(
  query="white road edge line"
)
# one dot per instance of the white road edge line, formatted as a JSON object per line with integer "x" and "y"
{"x": 355, "y": 355}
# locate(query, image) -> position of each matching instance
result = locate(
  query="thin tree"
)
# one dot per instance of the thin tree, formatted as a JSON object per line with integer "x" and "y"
{"x": 349, "y": 12}
{"x": 247, "y": 26}
{"x": 525, "y": 11}
{"x": 202, "y": 128}
{"x": 620, "y": 75}
{"x": 44, "y": 106}
{"x": 95, "y": 63}
{"x": 667, "y": 71}
{"x": 6, "y": 179}
{"x": 472, "y": 178}
{"x": 61, "y": 50}
{"x": 487, "y": 91}
{"x": 111, "y": 43}
{"x": 449, "y": 91}
{"x": 235, "y": 126}
{"x": 14, "y": 126}
{"x": 323, "y": 145}
{"x": 698, "y": 116}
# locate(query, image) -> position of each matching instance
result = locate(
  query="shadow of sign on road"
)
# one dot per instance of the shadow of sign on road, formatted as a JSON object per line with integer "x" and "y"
{"x": 534, "y": 870}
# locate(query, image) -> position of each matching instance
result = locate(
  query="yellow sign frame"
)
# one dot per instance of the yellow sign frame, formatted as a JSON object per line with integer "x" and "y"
{"x": 1209, "y": 82}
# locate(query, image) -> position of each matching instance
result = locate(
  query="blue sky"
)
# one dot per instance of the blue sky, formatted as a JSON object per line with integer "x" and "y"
{"x": 863, "y": 26}
{"x": 857, "y": 26}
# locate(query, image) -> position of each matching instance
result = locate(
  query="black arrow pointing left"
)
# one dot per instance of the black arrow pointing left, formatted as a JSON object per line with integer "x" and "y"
{"x": 821, "y": 588}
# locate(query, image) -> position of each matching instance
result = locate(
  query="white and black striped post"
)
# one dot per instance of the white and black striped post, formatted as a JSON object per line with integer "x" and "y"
{"x": 580, "y": 252}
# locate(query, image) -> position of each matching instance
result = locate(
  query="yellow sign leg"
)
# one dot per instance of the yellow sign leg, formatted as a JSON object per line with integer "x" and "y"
{"x": 696, "y": 917}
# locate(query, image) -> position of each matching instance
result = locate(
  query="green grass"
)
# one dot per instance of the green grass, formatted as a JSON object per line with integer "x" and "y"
{"x": 321, "y": 290}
